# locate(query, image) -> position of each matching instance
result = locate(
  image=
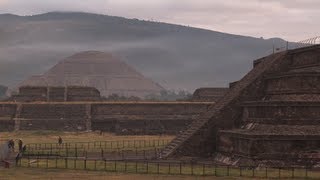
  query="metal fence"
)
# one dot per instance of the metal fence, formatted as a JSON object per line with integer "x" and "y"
{"x": 169, "y": 168}
{"x": 308, "y": 42}
{"x": 106, "y": 154}
{"x": 120, "y": 144}
{"x": 294, "y": 45}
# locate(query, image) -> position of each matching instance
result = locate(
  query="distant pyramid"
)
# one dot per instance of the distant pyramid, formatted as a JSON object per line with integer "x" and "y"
{"x": 100, "y": 70}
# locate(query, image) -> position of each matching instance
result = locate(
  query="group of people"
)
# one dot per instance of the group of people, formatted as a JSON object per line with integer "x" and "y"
{"x": 8, "y": 147}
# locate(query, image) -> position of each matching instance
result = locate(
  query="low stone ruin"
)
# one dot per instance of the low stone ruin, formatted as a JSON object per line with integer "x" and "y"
{"x": 56, "y": 94}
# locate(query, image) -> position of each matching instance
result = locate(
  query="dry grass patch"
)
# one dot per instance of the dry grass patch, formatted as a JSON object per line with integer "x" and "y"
{"x": 52, "y": 136}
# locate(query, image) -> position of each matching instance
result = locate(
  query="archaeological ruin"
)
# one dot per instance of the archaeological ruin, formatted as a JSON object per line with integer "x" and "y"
{"x": 100, "y": 70}
{"x": 271, "y": 116}
{"x": 209, "y": 94}
{"x": 55, "y": 94}
{"x": 118, "y": 117}
{"x": 75, "y": 108}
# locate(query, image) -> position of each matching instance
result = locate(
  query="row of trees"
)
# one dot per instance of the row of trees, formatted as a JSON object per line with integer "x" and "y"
{"x": 3, "y": 90}
{"x": 162, "y": 96}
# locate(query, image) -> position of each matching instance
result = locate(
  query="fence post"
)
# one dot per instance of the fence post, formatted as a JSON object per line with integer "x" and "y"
{"x": 306, "y": 173}
{"x": 85, "y": 164}
{"x": 66, "y": 163}
{"x": 51, "y": 149}
{"x": 253, "y": 171}
{"x": 191, "y": 168}
{"x": 67, "y": 151}
{"x": 279, "y": 172}
{"x": 292, "y": 172}
{"x": 215, "y": 170}
{"x": 147, "y": 167}
{"x": 158, "y": 168}
{"x": 266, "y": 172}
{"x": 95, "y": 164}
{"x": 47, "y": 161}
{"x": 38, "y": 159}
{"x": 28, "y": 161}
{"x": 75, "y": 163}
{"x": 203, "y": 169}
{"x": 136, "y": 166}
{"x": 102, "y": 154}
{"x": 228, "y": 170}
{"x": 180, "y": 168}
{"x": 115, "y": 166}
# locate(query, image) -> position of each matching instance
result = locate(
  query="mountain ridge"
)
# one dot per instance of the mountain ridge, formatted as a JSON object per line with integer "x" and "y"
{"x": 175, "y": 56}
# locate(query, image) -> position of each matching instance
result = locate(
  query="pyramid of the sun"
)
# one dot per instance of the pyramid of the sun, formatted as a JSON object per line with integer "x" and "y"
{"x": 100, "y": 70}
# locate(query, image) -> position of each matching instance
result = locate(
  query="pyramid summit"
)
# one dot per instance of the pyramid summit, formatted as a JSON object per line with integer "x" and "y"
{"x": 97, "y": 69}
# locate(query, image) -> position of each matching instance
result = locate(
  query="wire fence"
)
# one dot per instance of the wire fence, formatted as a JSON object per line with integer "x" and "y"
{"x": 308, "y": 42}
{"x": 106, "y": 154}
{"x": 295, "y": 45}
{"x": 111, "y": 150}
{"x": 120, "y": 144}
{"x": 169, "y": 168}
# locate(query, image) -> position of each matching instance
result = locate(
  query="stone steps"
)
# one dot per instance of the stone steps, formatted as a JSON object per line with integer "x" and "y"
{"x": 232, "y": 94}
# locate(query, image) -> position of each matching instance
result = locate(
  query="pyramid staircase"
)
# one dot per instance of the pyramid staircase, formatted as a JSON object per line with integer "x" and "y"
{"x": 201, "y": 138}
{"x": 205, "y": 121}
{"x": 282, "y": 127}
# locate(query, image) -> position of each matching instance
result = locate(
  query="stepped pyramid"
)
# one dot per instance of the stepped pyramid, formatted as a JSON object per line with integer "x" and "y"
{"x": 100, "y": 70}
{"x": 271, "y": 116}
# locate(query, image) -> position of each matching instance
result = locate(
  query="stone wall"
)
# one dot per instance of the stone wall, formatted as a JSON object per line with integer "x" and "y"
{"x": 56, "y": 94}
{"x": 145, "y": 118}
{"x": 7, "y": 113}
{"x": 120, "y": 117}
{"x": 209, "y": 94}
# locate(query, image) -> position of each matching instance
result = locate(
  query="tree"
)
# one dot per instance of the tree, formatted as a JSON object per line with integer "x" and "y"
{"x": 3, "y": 90}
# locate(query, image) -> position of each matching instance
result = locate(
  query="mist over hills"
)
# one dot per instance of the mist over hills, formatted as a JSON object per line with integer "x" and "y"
{"x": 177, "y": 57}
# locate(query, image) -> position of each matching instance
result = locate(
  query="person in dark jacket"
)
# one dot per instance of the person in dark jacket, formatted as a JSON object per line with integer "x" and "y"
{"x": 59, "y": 140}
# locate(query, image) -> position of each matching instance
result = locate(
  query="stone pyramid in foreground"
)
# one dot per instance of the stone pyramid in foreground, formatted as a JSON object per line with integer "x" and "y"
{"x": 270, "y": 117}
{"x": 100, "y": 70}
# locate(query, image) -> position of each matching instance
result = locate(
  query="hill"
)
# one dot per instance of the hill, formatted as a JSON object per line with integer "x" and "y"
{"x": 177, "y": 57}
{"x": 96, "y": 69}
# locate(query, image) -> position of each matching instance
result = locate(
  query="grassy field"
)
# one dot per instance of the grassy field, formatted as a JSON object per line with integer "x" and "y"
{"x": 40, "y": 174}
{"x": 52, "y": 136}
{"x": 71, "y": 169}
{"x": 69, "y": 137}
{"x": 166, "y": 168}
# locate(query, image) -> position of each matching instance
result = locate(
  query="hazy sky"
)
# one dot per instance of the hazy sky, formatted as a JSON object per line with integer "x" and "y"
{"x": 290, "y": 19}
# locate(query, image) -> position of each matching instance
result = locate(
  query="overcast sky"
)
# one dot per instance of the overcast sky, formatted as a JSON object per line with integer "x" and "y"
{"x": 293, "y": 20}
